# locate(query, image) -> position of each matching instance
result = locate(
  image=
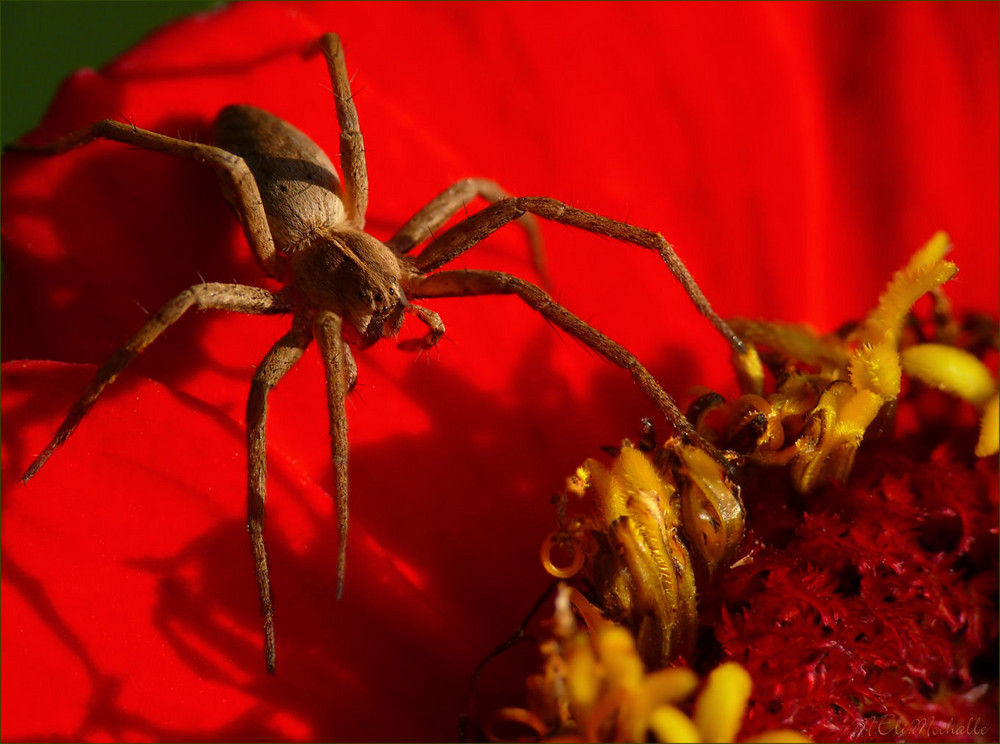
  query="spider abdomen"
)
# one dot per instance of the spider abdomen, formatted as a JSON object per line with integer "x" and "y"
{"x": 298, "y": 183}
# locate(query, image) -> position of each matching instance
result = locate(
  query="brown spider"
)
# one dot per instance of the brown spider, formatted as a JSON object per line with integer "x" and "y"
{"x": 344, "y": 286}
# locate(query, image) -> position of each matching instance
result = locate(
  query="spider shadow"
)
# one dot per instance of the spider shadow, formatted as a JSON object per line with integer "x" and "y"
{"x": 476, "y": 487}
{"x": 104, "y": 687}
{"x": 496, "y": 458}
{"x": 153, "y": 226}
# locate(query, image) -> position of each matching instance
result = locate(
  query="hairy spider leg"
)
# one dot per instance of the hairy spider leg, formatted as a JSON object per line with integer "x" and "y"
{"x": 341, "y": 373}
{"x": 276, "y": 363}
{"x": 235, "y": 298}
{"x": 237, "y": 177}
{"x": 441, "y": 208}
{"x": 471, "y": 231}
{"x": 468, "y": 282}
{"x": 352, "y": 143}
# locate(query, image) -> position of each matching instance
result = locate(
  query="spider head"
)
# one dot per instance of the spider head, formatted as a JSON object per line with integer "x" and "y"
{"x": 354, "y": 275}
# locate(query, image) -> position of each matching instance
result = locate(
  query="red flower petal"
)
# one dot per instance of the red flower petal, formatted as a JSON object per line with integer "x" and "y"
{"x": 795, "y": 155}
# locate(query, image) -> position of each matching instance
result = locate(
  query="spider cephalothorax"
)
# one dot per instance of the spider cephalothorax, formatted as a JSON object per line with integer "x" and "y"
{"x": 344, "y": 287}
{"x": 350, "y": 273}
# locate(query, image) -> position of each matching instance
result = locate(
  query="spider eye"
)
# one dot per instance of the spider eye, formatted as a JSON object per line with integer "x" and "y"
{"x": 379, "y": 298}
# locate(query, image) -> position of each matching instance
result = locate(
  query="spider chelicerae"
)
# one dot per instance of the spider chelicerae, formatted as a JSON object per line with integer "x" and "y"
{"x": 346, "y": 288}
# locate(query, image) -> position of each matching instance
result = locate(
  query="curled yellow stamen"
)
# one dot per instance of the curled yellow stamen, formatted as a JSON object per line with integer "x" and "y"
{"x": 560, "y": 541}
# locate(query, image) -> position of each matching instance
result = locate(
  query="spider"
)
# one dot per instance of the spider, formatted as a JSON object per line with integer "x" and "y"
{"x": 346, "y": 288}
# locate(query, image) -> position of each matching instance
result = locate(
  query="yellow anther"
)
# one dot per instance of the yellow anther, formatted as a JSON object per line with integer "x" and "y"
{"x": 718, "y": 711}
{"x": 670, "y": 725}
{"x": 749, "y": 370}
{"x": 950, "y": 369}
{"x": 609, "y": 500}
{"x": 711, "y": 509}
{"x": 989, "y": 437}
{"x": 671, "y": 685}
{"x": 622, "y": 665}
{"x": 582, "y": 679}
{"x": 637, "y": 474}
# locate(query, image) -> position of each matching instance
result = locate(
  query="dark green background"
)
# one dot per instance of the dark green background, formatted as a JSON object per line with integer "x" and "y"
{"x": 41, "y": 41}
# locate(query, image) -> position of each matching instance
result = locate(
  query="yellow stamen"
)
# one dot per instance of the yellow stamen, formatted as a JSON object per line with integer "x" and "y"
{"x": 718, "y": 711}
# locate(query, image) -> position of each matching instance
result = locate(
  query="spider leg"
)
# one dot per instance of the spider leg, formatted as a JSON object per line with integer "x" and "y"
{"x": 442, "y": 207}
{"x": 352, "y": 368}
{"x": 281, "y": 358}
{"x": 352, "y": 144}
{"x": 214, "y": 296}
{"x": 466, "y": 283}
{"x": 328, "y": 328}
{"x": 237, "y": 177}
{"x": 468, "y": 233}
